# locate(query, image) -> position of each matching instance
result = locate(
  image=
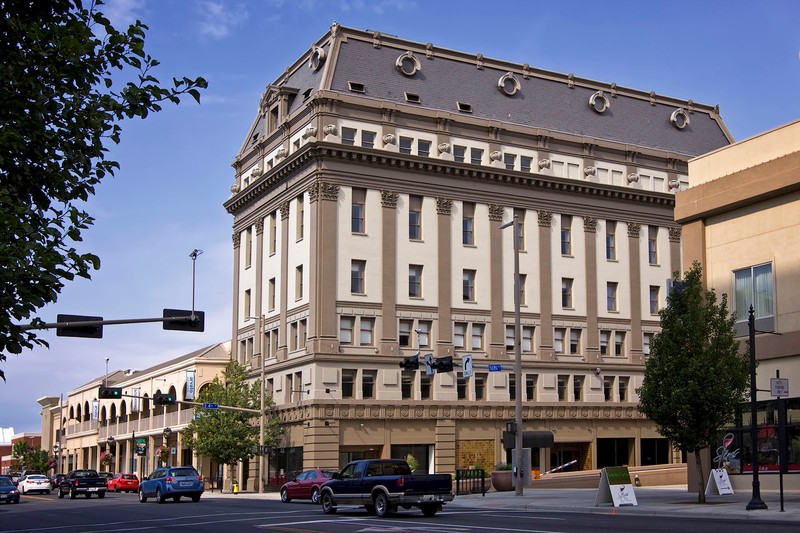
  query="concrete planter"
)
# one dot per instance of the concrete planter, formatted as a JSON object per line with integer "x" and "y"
{"x": 502, "y": 480}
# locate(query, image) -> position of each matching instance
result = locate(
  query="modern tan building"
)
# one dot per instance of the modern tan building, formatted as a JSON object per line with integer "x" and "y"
{"x": 84, "y": 426}
{"x": 368, "y": 198}
{"x": 741, "y": 219}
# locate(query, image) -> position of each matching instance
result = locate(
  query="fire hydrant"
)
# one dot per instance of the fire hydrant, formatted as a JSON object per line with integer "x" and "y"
{"x": 235, "y": 488}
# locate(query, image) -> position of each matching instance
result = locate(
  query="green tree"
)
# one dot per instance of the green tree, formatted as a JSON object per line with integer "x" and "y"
{"x": 68, "y": 79}
{"x": 695, "y": 376}
{"x": 26, "y": 457}
{"x": 229, "y": 436}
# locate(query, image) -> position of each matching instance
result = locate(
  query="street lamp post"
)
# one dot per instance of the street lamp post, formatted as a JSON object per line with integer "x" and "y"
{"x": 261, "y": 418}
{"x": 518, "y": 473}
{"x": 755, "y": 501}
{"x": 167, "y": 435}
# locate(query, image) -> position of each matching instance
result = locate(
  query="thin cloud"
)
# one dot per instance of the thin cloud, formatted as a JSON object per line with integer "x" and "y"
{"x": 218, "y": 19}
{"x": 123, "y": 13}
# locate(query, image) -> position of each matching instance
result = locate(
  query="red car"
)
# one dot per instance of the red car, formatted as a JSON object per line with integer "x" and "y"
{"x": 123, "y": 482}
{"x": 305, "y": 485}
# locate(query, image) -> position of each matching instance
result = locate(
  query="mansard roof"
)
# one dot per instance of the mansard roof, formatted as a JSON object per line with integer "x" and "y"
{"x": 546, "y": 101}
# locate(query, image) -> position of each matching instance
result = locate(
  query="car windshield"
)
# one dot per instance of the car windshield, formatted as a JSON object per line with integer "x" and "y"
{"x": 86, "y": 473}
{"x": 183, "y": 472}
{"x": 5, "y": 482}
{"x": 37, "y": 476}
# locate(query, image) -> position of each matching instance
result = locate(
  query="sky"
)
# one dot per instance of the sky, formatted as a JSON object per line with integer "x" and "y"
{"x": 166, "y": 199}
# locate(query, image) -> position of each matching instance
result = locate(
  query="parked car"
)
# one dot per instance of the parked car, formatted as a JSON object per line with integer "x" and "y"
{"x": 171, "y": 482}
{"x": 383, "y": 485}
{"x": 34, "y": 483}
{"x": 14, "y": 477}
{"x": 106, "y": 475}
{"x": 123, "y": 482}
{"x": 305, "y": 485}
{"x": 84, "y": 481}
{"x": 55, "y": 480}
{"x": 8, "y": 491}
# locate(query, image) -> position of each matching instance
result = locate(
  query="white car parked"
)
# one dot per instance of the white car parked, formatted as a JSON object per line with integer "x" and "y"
{"x": 34, "y": 483}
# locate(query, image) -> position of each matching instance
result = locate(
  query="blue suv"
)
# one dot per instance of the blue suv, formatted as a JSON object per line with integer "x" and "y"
{"x": 171, "y": 482}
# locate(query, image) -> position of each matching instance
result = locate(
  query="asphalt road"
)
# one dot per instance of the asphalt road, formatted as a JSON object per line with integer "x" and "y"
{"x": 123, "y": 512}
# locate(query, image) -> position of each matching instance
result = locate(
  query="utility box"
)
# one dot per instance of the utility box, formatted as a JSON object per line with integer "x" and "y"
{"x": 526, "y": 467}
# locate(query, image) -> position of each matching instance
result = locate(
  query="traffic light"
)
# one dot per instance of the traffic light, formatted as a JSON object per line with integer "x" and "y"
{"x": 184, "y": 320}
{"x": 410, "y": 363}
{"x": 109, "y": 393}
{"x": 70, "y": 326}
{"x": 163, "y": 399}
{"x": 443, "y": 364}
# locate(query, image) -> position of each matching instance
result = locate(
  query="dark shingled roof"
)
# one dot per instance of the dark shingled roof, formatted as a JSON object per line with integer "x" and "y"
{"x": 541, "y": 103}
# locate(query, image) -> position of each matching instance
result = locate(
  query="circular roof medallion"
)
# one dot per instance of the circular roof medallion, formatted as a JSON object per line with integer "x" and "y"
{"x": 679, "y": 118}
{"x": 407, "y": 64}
{"x": 508, "y": 84}
{"x": 599, "y": 102}
{"x": 317, "y": 58}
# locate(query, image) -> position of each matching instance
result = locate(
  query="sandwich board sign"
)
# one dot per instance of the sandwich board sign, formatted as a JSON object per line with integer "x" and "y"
{"x": 615, "y": 487}
{"x": 718, "y": 482}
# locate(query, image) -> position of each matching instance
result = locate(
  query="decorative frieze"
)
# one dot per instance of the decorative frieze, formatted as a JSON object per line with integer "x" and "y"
{"x": 590, "y": 224}
{"x": 321, "y": 190}
{"x": 444, "y": 206}
{"x": 674, "y": 234}
{"x": 634, "y": 228}
{"x": 545, "y": 218}
{"x": 389, "y": 199}
{"x": 259, "y": 226}
{"x": 284, "y": 209}
{"x": 496, "y": 212}
{"x": 237, "y": 239}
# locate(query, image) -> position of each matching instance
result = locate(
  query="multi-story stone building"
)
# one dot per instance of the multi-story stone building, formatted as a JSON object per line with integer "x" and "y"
{"x": 368, "y": 198}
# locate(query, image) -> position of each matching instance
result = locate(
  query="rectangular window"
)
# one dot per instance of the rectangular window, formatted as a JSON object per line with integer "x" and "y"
{"x": 652, "y": 244}
{"x": 644, "y": 182}
{"x": 477, "y": 336}
{"x": 271, "y": 295}
{"x": 468, "y": 224}
{"x": 248, "y": 247}
{"x": 654, "y": 290}
{"x": 608, "y": 388}
{"x": 616, "y": 177}
{"x": 604, "y": 336}
{"x": 611, "y": 296}
{"x": 561, "y": 385}
{"x": 510, "y": 161}
{"x": 602, "y": 175}
{"x": 300, "y": 214}
{"x": 358, "y": 211}
{"x": 523, "y": 280}
{"x": 302, "y": 336}
{"x": 520, "y": 215}
{"x": 525, "y": 163}
{"x": 357, "y": 269}
{"x": 423, "y": 333}
{"x": 298, "y": 282}
{"x": 566, "y": 293}
{"x": 577, "y": 388}
{"x": 512, "y": 387}
{"x": 415, "y": 218}
{"x": 623, "y": 389}
{"x": 476, "y": 156}
{"x": 510, "y": 338}
{"x": 461, "y": 386}
{"x": 611, "y": 240}
{"x": 558, "y": 168}
{"x": 469, "y": 285}
{"x": 366, "y": 332}
{"x": 293, "y": 336}
{"x": 415, "y": 281}
{"x": 423, "y": 148}
{"x": 558, "y": 340}
{"x": 458, "y": 153}
{"x": 566, "y": 235}
{"x": 405, "y": 145}
{"x": 348, "y": 382}
{"x": 407, "y": 384}
{"x": 424, "y": 386}
{"x": 574, "y": 341}
{"x": 647, "y": 341}
{"x": 573, "y": 171}
{"x": 527, "y": 339}
{"x": 530, "y": 386}
{"x": 348, "y": 136}
{"x": 273, "y": 232}
{"x": 368, "y": 139}
{"x": 619, "y": 343}
{"x": 480, "y": 386}
{"x": 368, "y": 378}
{"x": 248, "y": 303}
{"x": 754, "y": 286}
{"x": 405, "y": 333}
{"x": 346, "y": 329}
{"x": 658, "y": 184}
{"x": 459, "y": 335}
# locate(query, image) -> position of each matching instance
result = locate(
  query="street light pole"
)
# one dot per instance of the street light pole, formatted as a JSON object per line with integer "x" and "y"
{"x": 261, "y": 406}
{"x": 518, "y": 473}
{"x": 755, "y": 501}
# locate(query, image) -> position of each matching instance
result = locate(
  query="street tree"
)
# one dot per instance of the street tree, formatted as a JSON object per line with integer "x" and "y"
{"x": 68, "y": 79}
{"x": 229, "y": 436}
{"x": 24, "y": 456}
{"x": 696, "y": 374}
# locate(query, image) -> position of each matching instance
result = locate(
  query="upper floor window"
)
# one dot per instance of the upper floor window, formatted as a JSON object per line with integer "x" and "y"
{"x": 458, "y": 153}
{"x": 525, "y": 163}
{"x": 623, "y": 385}
{"x": 510, "y": 161}
{"x": 423, "y": 148}
{"x": 346, "y": 329}
{"x": 566, "y": 293}
{"x": 476, "y": 156}
{"x": 754, "y": 286}
{"x": 348, "y": 136}
{"x": 566, "y": 235}
{"x": 652, "y": 244}
{"x": 348, "y": 382}
{"x": 415, "y": 281}
{"x": 405, "y": 145}
{"x": 368, "y": 378}
{"x": 477, "y": 336}
{"x": 611, "y": 296}
{"x": 469, "y": 285}
{"x": 611, "y": 240}
{"x": 459, "y": 335}
{"x": 357, "y": 269}
{"x": 468, "y": 224}
{"x": 358, "y": 211}
{"x": 300, "y": 214}
{"x": 654, "y": 290}
{"x": 273, "y": 232}
{"x": 647, "y": 341}
{"x": 523, "y": 281}
{"x": 248, "y": 247}
{"x": 298, "y": 282}
{"x": 415, "y": 218}
{"x": 577, "y": 388}
{"x": 368, "y": 139}
{"x": 366, "y": 331}
{"x": 519, "y": 214}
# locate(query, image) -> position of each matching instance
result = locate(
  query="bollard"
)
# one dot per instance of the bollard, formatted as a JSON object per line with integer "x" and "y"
{"x": 236, "y": 488}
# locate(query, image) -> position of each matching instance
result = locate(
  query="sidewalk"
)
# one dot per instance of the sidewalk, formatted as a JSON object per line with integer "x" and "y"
{"x": 671, "y": 500}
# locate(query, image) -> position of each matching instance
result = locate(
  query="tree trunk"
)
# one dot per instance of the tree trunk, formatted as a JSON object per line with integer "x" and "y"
{"x": 701, "y": 493}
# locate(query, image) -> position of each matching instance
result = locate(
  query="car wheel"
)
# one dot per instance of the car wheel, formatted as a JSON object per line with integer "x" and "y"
{"x": 382, "y": 507}
{"x": 327, "y": 503}
{"x": 60, "y": 494}
{"x": 195, "y": 498}
{"x": 88, "y": 495}
{"x": 48, "y": 492}
{"x": 142, "y": 497}
{"x": 101, "y": 494}
{"x": 159, "y": 497}
{"x": 315, "y": 495}
{"x": 285, "y": 496}
{"x": 72, "y": 494}
{"x": 429, "y": 509}
{"x": 176, "y": 498}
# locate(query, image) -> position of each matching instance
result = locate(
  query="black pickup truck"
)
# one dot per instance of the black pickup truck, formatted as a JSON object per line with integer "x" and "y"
{"x": 383, "y": 485}
{"x": 86, "y": 482}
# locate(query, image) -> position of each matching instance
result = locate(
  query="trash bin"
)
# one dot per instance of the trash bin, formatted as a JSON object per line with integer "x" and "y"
{"x": 235, "y": 488}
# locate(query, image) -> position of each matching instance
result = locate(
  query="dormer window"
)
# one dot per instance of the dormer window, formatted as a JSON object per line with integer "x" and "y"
{"x": 355, "y": 87}
{"x": 407, "y": 64}
{"x": 508, "y": 84}
{"x": 463, "y": 107}
{"x": 412, "y": 97}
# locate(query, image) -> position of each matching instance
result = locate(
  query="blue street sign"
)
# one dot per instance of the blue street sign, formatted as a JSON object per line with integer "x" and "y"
{"x": 210, "y": 405}
{"x": 495, "y": 368}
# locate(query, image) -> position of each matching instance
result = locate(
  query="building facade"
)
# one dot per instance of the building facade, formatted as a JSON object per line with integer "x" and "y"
{"x": 368, "y": 198}
{"x": 741, "y": 220}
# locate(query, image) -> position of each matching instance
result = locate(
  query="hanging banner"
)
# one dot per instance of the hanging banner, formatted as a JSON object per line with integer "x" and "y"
{"x": 190, "y": 374}
{"x": 136, "y": 401}
{"x": 141, "y": 445}
{"x": 95, "y": 409}
{"x": 615, "y": 487}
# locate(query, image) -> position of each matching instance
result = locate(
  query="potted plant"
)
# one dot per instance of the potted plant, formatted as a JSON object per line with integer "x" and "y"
{"x": 501, "y": 477}
{"x": 412, "y": 462}
{"x": 162, "y": 453}
{"x": 106, "y": 458}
